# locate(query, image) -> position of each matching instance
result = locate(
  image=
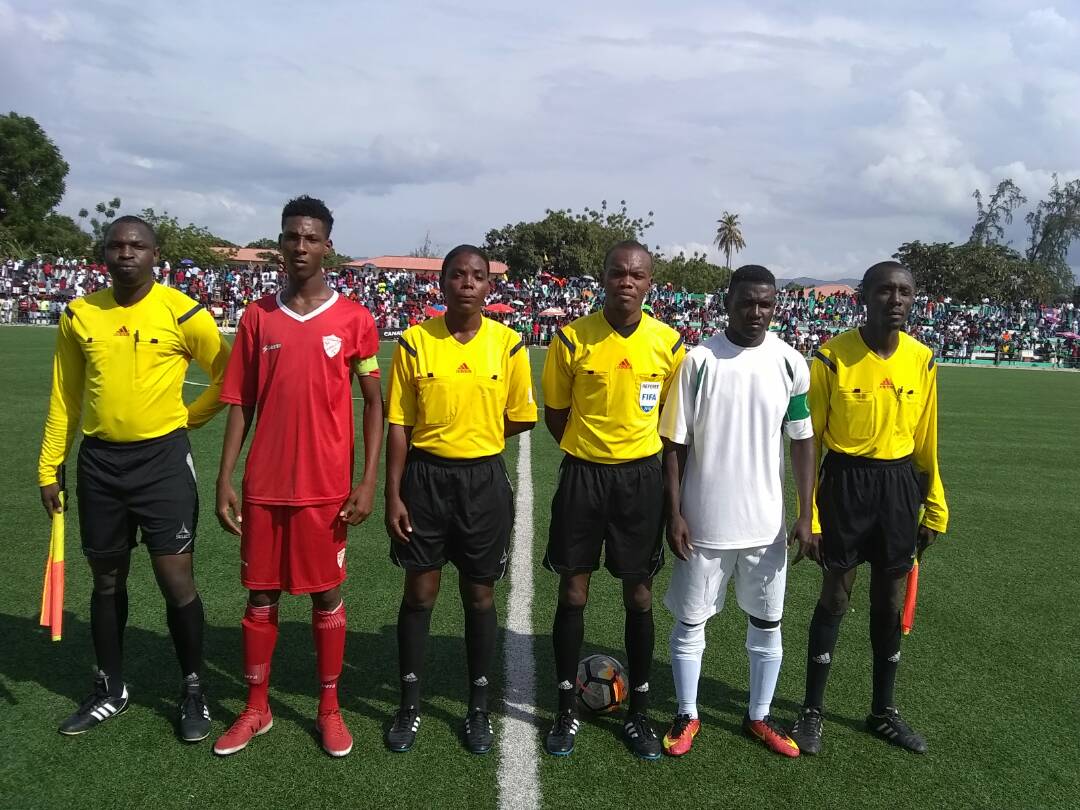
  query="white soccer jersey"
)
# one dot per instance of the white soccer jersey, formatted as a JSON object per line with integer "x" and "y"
{"x": 729, "y": 404}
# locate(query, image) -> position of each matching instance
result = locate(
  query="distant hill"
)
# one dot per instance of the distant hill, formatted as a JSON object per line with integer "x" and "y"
{"x": 806, "y": 281}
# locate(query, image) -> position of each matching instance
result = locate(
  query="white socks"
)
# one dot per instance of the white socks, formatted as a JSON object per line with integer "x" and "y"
{"x": 687, "y": 647}
{"x": 766, "y": 651}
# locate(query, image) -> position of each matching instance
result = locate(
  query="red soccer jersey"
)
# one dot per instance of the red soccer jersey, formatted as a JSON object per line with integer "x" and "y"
{"x": 296, "y": 371}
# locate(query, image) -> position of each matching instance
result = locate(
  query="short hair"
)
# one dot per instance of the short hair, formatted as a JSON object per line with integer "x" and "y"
{"x": 626, "y": 244}
{"x": 752, "y": 274}
{"x": 870, "y": 277}
{"x": 305, "y": 206}
{"x": 131, "y": 219}
{"x": 464, "y": 250}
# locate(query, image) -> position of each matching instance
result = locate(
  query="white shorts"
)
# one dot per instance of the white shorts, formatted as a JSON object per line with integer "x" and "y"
{"x": 698, "y": 585}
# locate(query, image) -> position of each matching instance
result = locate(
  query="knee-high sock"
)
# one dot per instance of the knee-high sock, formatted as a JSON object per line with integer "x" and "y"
{"x": 106, "y": 633}
{"x": 766, "y": 651}
{"x": 687, "y": 645}
{"x": 640, "y": 638}
{"x": 824, "y": 630}
{"x": 186, "y": 628}
{"x": 885, "y": 642}
{"x": 481, "y": 630}
{"x": 567, "y": 635}
{"x": 259, "y": 630}
{"x": 121, "y": 614}
{"x": 413, "y": 627}
{"x": 328, "y": 629}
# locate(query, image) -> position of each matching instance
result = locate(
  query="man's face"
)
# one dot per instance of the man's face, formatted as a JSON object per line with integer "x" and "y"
{"x": 465, "y": 284}
{"x": 750, "y": 308}
{"x": 889, "y": 300}
{"x": 627, "y": 279}
{"x": 303, "y": 242}
{"x": 130, "y": 254}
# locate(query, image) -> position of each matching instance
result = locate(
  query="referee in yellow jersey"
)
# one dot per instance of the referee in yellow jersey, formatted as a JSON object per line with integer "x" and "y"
{"x": 873, "y": 403}
{"x": 459, "y": 386}
{"x": 124, "y": 351}
{"x": 605, "y": 378}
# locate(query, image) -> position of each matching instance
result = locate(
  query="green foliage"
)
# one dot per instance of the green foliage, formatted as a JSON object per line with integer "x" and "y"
{"x": 729, "y": 236}
{"x": 59, "y": 235}
{"x": 32, "y": 173}
{"x": 335, "y": 259}
{"x": 988, "y": 228}
{"x": 564, "y": 243}
{"x": 426, "y": 249}
{"x": 265, "y": 242}
{"x": 694, "y": 274}
{"x": 98, "y": 227}
{"x": 177, "y": 242}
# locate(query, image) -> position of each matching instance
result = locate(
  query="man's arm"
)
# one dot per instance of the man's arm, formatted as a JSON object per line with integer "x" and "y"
{"x": 557, "y": 382}
{"x": 65, "y": 410}
{"x": 209, "y": 349}
{"x": 678, "y": 532}
{"x": 822, "y": 379}
{"x": 804, "y": 469}
{"x": 925, "y": 457}
{"x": 556, "y": 420}
{"x": 236, "y": 429}
{"x": 397, "y": 515}
{"x": 361, "y": 500}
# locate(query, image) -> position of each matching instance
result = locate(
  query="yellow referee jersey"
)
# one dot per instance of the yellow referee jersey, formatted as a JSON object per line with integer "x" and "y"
{"x": 456, "y": 396}
{"x": 862, "y": 405}
{"x": 613, "y": 386}
{"x": 130, "y": 363}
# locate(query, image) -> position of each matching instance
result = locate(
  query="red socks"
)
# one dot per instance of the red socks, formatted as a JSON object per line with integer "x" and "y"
{"x": 328, "y": 628}
{"x": 259, "y": 631}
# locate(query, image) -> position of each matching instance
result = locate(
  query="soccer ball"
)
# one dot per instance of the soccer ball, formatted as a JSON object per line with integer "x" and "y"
{"x": 601, "y": 683}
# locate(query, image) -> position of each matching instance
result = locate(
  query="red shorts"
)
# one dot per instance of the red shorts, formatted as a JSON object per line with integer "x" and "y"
{"x": 299, "y": 549}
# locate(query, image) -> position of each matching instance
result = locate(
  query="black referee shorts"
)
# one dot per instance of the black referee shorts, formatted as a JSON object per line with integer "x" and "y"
{"x": 614, "y": 508}
{"x": 126, "y": 486}
{"x": 462, "y": 511}
{"x": 869, "y": 512}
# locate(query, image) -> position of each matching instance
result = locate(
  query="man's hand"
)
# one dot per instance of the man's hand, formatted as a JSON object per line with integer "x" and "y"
{"x": 397, "y": 520}
{"x": 50, "y": 499}
{"x": 678, "y": 537}
{"x": 228, "y": 507}
{"x": 359, "y": 505}
{"x": 809, "y": 542}
{"x": 924, "y": 540}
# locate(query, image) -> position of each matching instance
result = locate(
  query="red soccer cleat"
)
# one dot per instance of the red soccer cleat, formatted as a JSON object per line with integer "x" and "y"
{"x": 251, "y": 723}
{"x": 681, "y": 735}
{"x": 770, "y": 734}
{"x": 336, "y": 739}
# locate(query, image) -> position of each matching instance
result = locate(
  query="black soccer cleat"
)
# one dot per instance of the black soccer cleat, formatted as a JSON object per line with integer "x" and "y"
{"x": 560, "y": 740}
{"x": 893, "y": 728}
{"x": 96, "y": 709}
{"x": 194, "y": 713}
{"x": 479, "y": 735}
{"x": 640, "y": 737}
{"x": 401, "y": 736}
{"x": 806, "y": 732}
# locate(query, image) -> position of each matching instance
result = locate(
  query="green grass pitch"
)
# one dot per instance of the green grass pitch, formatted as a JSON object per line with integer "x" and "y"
{"x": 989, "y": 674}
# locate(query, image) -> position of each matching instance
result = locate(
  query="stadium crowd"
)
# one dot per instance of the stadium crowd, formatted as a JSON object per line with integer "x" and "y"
{"x": 36, "y": 291}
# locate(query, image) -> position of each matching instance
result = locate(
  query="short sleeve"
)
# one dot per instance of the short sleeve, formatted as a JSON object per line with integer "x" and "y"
{"x": 677, "y": 416}
{"x": 401, "y": 393}
{"x": 557, "y": 380}
{"x": 798, "y": 424}
{"x": 241, "y": 383}
{"x": 520, "y": 402}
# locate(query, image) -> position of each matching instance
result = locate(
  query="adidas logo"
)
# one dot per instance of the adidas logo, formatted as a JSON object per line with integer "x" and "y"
{"x": 121, "y": 332}
{"x": 624, "y": 366}
{"x": 184, "y": 533}
{"x": 410, "y": 678}
{"x": 565, "y": 685}
{"x": 895, "y": 658}
{"x": 464, "y": 369}
{"x": 481, "y": 681}
{"x": 643, "y": 688}
{"x": 886, "y": 383}
{"x": 824, "y": 658}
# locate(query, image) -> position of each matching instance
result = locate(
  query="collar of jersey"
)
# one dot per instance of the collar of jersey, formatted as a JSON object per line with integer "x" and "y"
{"x": 317, "y": 311}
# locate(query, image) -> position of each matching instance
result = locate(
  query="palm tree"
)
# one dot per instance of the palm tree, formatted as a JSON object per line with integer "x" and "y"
{"x": 728, "y": 236}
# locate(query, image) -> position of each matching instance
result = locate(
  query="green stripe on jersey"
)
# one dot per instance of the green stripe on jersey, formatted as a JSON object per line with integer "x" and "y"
{"x": 797, "y": 408}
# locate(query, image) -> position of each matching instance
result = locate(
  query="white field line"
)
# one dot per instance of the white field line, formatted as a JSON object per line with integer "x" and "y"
{"x": 519, "y": 784}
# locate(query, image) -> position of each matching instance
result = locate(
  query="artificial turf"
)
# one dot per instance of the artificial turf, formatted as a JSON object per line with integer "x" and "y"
{"x": 988, "y": 675}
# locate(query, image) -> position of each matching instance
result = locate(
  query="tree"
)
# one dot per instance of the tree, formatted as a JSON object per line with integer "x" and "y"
{"x": 989, "y": 229}
{"x": 266, "y": 242}
{"x": 177, "y": 242}
{"x": 729, "y": 236}
{"x": 98, "y": 227}
{"x": 564, "y": 243}
{"x": 59, "y": 235}
{"x": 695, "y": 274}
{"x": 32, "y": 173}
{"x": 1054, "y": 225}
{"x": 426, "y": 250}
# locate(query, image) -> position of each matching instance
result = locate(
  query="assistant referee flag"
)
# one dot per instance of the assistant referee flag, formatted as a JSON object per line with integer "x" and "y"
{"x": 52, "y": 591}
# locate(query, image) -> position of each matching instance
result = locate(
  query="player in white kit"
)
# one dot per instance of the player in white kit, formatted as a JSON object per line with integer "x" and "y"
{"x": 724, "y": 472}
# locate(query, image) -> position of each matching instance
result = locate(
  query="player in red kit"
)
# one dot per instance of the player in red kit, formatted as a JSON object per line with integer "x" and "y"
{"x": 295, "y": 355}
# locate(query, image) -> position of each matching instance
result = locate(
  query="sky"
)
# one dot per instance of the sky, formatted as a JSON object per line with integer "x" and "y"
{"x": 837, "y": 130}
